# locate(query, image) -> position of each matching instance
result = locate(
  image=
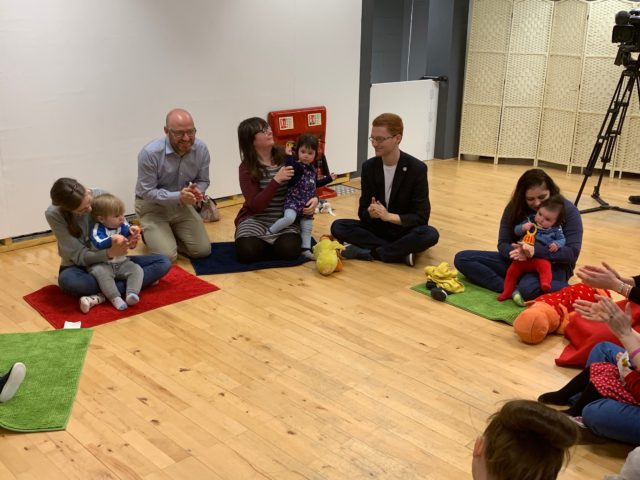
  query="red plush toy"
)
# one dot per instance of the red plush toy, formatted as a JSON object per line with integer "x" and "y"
{"x": 552, "y": 312}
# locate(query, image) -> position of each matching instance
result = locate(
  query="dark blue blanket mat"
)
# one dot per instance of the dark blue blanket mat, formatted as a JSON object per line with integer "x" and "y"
{"x": 223, "y": 260}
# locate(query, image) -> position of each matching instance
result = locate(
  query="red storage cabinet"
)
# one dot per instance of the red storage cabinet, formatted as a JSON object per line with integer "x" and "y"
{"x": 288, "y": 125}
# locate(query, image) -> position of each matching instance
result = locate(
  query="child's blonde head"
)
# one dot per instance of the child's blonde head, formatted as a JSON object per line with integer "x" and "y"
{"x": 106, "y": 205}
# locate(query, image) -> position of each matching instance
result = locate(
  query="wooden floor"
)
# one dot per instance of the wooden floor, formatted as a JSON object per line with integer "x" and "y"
{"x": 286, "y": 374}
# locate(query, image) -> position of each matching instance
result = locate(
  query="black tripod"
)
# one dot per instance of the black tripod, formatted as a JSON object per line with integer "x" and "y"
{"x": 610, "y": 131}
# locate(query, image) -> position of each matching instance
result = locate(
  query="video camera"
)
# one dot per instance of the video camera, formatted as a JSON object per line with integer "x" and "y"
{"x": 626, "y": 32}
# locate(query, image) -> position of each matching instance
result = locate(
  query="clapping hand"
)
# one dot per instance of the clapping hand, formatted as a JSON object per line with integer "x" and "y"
{"x": 376, "y": 209}
{"x": 119, "y": 246}
{"x": 135, "y": 235}
{"x": 195, "y": 190}
{"x": 606, "y": 311}
{"x": 521, "y": 251}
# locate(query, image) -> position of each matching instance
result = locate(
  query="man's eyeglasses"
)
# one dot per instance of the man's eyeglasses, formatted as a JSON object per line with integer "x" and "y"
{"x": 380, "y": 139}
{"x": 181, "y": 133}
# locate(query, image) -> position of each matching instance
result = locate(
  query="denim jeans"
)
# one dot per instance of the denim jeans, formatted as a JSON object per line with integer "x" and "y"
{"x": 488, "y": 269}
{"x": 77, "y": 281}
{"x": 392, "y": 245}
{"x": 610, "y": 418}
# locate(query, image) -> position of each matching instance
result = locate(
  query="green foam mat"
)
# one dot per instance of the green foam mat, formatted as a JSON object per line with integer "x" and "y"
{"x": 479, "y": 301}
{"x": 54, "y": 363}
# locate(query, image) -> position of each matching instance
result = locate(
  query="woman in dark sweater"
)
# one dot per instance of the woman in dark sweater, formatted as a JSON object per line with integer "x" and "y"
{"x": 488, "y": 268}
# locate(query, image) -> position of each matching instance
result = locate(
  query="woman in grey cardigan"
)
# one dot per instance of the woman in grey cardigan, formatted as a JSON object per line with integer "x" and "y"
{"x": 69, "y": 217}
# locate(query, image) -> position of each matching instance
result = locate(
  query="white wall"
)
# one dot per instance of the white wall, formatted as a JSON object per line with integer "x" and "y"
{"x": 416, "y": 102}
{"x": 84, "y": 84}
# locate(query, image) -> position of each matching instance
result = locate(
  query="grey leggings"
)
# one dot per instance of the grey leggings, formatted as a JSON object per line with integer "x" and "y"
{"x": 107, "y": 273}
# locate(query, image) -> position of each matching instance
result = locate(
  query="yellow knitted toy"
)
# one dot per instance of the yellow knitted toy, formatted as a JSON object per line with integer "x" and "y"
{"x": 444, "y": 277}
{"x": 327, "y": 255}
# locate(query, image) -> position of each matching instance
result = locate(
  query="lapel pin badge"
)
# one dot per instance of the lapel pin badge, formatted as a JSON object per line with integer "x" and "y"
{"x": 404, "y": 169}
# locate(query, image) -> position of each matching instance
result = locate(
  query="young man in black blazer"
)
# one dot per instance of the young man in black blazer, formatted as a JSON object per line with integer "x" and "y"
{"x": 394, "y": 205}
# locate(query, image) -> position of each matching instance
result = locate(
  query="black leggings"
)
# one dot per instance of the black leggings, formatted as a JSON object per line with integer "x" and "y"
{"x": 251, "y": 249}
{"x": 580, "y": 384}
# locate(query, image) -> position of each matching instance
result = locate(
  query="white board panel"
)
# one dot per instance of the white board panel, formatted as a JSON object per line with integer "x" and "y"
{"x": 416, "y": 102}
{"x": 84, "y": 84}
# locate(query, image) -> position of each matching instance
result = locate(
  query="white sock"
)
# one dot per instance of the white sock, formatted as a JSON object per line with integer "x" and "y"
{"x": 90, "y": 301}
{"x": 132, "y": 298}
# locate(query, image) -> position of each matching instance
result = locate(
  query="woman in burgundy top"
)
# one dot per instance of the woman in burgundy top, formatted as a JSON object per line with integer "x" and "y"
{"x": 263, "y": 181}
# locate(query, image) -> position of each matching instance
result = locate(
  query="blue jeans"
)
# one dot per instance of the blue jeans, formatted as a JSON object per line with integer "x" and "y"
{"x": 391, "y": 244}
{"x": 306, "y": 225}
{"x": 488, "y": 270}
{"x": 610, "y": 418}
{"x": 78, "y": 282}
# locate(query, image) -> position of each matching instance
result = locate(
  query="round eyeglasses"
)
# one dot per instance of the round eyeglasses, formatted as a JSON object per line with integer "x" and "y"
{"x": 380, "y": 139}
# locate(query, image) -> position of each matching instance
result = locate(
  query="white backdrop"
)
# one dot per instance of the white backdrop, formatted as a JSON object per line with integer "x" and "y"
{"x": 84, "y": 84}
{"x": 416, "y": 101}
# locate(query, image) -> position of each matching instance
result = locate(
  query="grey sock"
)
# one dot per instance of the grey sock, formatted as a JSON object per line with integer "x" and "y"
{"x": 119, "y": 303}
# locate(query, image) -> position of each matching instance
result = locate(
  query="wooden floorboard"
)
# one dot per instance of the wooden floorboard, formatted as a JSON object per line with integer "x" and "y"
{"x": 286, "y": 374}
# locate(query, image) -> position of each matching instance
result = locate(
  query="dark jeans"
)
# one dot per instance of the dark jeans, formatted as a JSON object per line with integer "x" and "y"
{"x": 607, "y": 417}
{"x": 390, "y": 245}
{"x": 488, "y": 269}
{"x": 78, "y": 282}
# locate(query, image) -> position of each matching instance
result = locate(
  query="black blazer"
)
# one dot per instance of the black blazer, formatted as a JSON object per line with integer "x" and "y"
{"x": 409, "y": 196}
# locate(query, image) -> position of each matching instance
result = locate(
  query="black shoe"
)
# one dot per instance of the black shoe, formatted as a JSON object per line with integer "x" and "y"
{"x": 635, "y": 199}
{"x": 439, "y": 294}
{"x": 430, "y": 284}
{"x": 554, "y": 398}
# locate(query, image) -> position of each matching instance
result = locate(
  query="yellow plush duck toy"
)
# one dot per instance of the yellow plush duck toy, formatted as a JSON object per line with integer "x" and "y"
{"x": 327, "y": 255}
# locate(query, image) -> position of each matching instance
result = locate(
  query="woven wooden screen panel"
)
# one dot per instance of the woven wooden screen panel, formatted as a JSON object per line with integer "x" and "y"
{"x": 531, "y": 25}
{"x": 587, "y": 127}
{"x": 484, "y": 77}
{"x": 628, "y": 158}
{"x": 525, "y": 80}
{"x": 599, "y": 78}
{"x": 563, "y": 82}
{"x": 519, "y": 132}
{"x": 569, "y": 27}
{"x": 479, "y": 130}
{"x": 562, "y": 88}
{"x": 490, "y": 25}
{"x": 542, "y": 74}
{"x": 556, "y": 136}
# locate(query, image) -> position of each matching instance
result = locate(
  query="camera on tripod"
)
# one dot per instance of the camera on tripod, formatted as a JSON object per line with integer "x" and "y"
{"x": 626, "y": 32}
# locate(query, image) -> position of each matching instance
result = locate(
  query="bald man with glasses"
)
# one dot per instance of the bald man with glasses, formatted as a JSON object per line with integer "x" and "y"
{"x": 173, "y": 175}
{"x": 394, "y": 205}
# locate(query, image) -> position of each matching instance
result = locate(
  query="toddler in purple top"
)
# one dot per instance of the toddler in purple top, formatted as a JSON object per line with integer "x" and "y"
{"x": 302, "y": 188}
